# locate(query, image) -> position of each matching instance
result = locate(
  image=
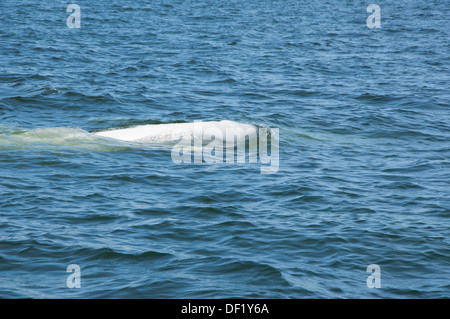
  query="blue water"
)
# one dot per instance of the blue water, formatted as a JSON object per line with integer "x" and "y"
{"x": 364, "y": 131}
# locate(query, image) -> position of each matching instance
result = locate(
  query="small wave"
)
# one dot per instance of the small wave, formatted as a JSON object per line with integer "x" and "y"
{"x": 48, "y": 91}
{"x": 254, "y": 272}
{"x": 111, "y": 254}
{"x": 377, "y": 97}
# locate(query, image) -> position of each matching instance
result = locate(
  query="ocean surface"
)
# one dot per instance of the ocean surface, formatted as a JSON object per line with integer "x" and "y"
{"x": 364, "y": 146}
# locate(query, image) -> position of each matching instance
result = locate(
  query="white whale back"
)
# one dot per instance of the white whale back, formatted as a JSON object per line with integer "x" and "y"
{"x": 174, "y": 131}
